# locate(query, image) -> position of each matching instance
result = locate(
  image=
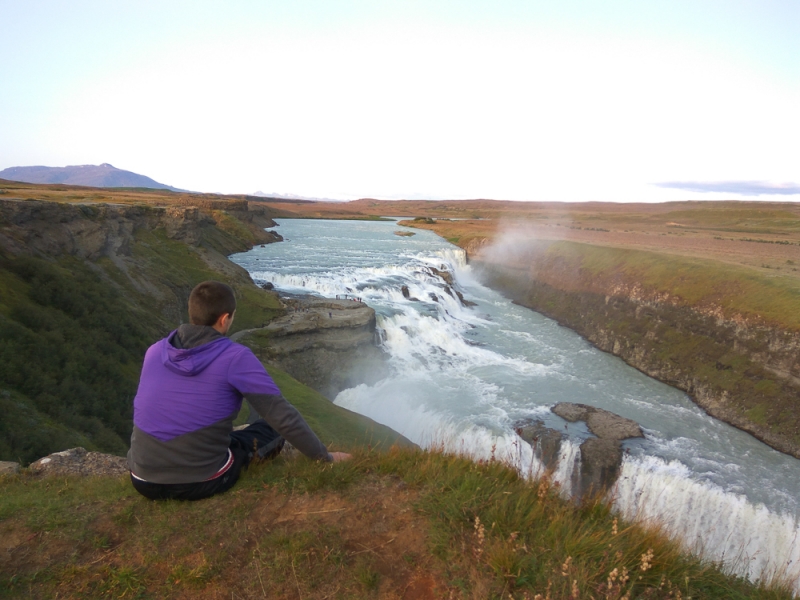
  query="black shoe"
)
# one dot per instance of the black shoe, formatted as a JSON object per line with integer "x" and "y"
{"x": 272, "y": 450}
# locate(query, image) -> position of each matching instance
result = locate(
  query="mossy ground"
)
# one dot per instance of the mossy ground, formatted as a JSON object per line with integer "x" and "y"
{"x": 398, "y": 524}
{"x": 73, "y": 333}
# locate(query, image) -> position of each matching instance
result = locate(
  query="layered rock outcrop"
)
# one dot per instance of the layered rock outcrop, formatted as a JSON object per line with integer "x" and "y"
{"x": 94, "y": 232}
{"x": 327, "y": 344}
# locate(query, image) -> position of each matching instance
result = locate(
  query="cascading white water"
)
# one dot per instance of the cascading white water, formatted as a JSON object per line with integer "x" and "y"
{"x": 749, "y": 539}
{"x": 461, "y": 377}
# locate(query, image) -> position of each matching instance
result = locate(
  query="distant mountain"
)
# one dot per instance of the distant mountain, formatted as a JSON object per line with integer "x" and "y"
{"x": 261, "y": 194}
{"x": 103, "y": 175}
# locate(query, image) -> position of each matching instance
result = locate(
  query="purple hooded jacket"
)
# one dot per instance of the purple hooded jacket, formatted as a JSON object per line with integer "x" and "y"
{"x": 190, "y": 391}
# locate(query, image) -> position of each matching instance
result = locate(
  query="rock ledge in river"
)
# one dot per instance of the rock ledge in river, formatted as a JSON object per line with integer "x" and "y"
{"x": 604, "y": 424}
{"x": 328, "y": 344}
{"x": 601, "y": 456}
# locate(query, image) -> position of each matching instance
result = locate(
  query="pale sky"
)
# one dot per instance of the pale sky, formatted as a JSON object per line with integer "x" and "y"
{"x": 625, "y": 100}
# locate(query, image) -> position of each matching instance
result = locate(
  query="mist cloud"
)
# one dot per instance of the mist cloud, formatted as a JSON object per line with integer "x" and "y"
{"x": 744, "y": 188}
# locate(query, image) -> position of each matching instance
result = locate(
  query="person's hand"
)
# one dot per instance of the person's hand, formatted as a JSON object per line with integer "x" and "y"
{"x": 340, "y": 456}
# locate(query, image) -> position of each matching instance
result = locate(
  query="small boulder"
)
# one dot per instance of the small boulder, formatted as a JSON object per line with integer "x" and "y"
{"x": 464, "y": 302}
{"x": 268, "y": 286}
{"x": 78, "y": 461}
{"x": 407, "y": 294}
{"x": 8, "y": 467}
{"x": 442, "y": 273}
{"x": 601, "y": 456}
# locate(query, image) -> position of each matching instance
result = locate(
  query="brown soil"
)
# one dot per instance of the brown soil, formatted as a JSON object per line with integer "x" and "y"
{"x": 730, "y": 249}
{"x": 287, "y": 546}
{"x": 714, "y": 243}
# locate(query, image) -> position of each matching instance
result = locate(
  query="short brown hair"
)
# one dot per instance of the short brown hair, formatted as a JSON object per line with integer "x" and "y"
{"x": 209, "y": 301}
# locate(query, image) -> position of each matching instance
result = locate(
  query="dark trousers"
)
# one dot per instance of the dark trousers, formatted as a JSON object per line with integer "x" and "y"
{"x": 258, "y": 438}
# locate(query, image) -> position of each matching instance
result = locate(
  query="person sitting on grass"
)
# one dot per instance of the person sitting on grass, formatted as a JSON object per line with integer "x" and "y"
{"x": 190, "y": 391}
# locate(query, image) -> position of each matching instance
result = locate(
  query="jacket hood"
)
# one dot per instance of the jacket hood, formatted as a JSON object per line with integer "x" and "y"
{"x": 191, "y": 361}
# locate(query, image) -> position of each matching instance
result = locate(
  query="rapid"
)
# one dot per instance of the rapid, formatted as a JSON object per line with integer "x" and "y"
{"x": 462, "y": 376}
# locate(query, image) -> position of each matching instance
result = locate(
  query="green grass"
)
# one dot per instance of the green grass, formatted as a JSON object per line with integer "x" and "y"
{"x": 295, "y": 528}
{"x": 255, "y": 307}
{"x": 233, "y": 226}
{"x": 177, "y": 268}
{"x": 70, "y": 350}
{"x": 736, "y": 290}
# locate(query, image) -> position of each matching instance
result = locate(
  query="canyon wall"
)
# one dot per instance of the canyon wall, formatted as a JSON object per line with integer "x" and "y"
{"x": 89, "y": 231}
{"x": 160, "y": 250}
{"x": 738, "y": 368}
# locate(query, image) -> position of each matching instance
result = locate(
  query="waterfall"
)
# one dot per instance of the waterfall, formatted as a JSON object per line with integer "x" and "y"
{"x": 461, "y": 377}
{"x": 748, "y": 539}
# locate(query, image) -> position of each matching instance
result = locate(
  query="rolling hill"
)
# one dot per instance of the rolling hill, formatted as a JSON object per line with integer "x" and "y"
{"x": 104, "y": 175}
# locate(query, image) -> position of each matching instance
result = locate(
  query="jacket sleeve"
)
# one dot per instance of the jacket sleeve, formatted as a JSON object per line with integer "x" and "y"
{"x": 286, "y": 420}
{"x": 250, "y": 378}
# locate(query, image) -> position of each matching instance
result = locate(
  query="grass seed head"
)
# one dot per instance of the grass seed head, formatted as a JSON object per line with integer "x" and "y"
{"x": 647, "y": 561}
{"x": 612, "y": 578}
{"x": 565, "y": 566}
{"x": 544, "y": 487}
{"x": 480, "y": 534}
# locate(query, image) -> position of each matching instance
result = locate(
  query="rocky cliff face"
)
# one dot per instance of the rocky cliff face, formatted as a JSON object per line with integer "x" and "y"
{"x": 327, "y": 344}
{"x": 739, "y": 370}
{"x": 90, "y": 231}
{"x": 117, "y": 232}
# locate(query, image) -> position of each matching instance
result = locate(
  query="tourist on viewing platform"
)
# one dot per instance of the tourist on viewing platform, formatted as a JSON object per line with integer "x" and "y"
{"x": 190, "y": 391}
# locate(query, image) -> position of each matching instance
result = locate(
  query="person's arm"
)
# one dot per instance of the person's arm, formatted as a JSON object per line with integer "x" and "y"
{"x": 286, "y": 420}
{"x": 248, "y": 375}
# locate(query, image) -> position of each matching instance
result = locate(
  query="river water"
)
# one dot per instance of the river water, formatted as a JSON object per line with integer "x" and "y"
{"x": 461, "y": 377}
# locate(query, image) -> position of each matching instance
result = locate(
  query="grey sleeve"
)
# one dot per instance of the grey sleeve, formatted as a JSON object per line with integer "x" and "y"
{"x": 286, "y": 420}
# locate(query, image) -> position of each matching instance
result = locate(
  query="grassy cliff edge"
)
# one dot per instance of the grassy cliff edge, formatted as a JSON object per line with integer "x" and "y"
{"x": 398, "y": 524}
